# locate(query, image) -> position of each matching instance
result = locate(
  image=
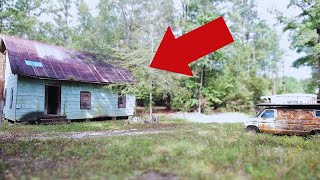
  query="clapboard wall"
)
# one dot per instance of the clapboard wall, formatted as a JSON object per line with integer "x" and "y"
{"x": 30, "y": 100}
{"x": 10, "y": 86}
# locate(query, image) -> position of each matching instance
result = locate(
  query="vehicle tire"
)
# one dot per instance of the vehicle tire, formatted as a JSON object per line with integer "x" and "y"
{"x": 316, "y": 133}
{"x": 252, "y": 129}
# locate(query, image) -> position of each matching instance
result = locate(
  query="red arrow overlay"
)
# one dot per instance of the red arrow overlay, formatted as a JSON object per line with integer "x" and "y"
{"x": 174, "y": 55}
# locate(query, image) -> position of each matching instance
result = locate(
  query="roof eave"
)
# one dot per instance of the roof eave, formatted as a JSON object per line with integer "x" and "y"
{"x": 66, "y": 80}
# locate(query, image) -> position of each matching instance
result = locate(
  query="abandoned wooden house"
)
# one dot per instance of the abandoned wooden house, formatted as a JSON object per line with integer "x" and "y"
{"x": 43, "y": 82}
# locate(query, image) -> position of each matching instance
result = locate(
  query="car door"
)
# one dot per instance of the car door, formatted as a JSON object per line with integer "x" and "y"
{"x": 267, "y": 121}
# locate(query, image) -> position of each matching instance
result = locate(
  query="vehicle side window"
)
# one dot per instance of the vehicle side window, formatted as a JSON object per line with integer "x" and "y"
{"x": 268, "y": 114}
{"x": 317, "y": 113}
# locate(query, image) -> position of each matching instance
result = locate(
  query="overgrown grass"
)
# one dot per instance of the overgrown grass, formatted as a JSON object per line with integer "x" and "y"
{"x": 191, "y": 151}
{"x": 82, "y": 126}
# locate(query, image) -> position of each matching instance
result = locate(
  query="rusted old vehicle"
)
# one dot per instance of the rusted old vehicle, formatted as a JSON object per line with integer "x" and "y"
{"x": 294, "y": 119}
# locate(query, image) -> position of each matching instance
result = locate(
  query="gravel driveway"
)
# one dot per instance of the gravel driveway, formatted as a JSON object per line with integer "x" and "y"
{"x": 218, "y": 118}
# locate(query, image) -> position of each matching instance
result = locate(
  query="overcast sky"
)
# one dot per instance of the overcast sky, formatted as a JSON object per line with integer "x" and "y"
{"x": 264, "y": 9}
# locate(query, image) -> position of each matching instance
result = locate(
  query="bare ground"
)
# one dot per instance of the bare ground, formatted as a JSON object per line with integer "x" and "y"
{"x": 164, "y": 128}
{"x": 232, "y": 117}
{"x": 81, "y": 135}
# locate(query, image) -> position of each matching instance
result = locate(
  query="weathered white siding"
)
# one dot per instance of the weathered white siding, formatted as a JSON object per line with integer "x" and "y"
{"x": 10, "y": 83}
{"x": 31, "y": 99}
{"x": 103, "y": 102}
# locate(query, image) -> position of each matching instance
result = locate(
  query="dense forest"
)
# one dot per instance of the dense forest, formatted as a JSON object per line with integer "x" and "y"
{"x": 232, "y": 78}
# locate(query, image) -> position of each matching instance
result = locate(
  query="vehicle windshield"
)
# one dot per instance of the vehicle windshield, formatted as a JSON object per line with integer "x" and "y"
{"x": 262, "y": 109}
{"x": 259, "y": 110}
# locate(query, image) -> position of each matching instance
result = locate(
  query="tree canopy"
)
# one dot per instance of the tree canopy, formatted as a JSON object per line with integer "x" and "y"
{"x": 305, "y": 35}
{"x": 232, "y": 78}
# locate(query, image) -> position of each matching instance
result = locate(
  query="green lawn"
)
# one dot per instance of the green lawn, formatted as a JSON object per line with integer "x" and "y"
{"x": 26, "y": 129}
{"x": 188, "y": 150}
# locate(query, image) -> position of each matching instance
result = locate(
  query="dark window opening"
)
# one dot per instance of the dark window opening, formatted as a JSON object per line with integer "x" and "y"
{"x": 317, "y": 113}
{"x": 53, "y": 99}
{"x": 268, "y": 114}
{"x": 11, "y": 98}
{"x": 5, "y": 97}
{"x": 121, "y": 100}
{"x": 85, "y": 100}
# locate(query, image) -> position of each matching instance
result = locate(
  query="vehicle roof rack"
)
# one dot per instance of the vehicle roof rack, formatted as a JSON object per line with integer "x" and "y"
{"x": 301, "y": 106}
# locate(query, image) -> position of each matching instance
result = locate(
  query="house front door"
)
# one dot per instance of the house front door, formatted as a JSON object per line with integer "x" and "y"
{"x": 53, "y": 99}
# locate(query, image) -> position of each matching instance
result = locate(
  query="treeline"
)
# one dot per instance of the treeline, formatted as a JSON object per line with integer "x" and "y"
{"x": 305, "y": 37}
{"x": 232, "y": 78}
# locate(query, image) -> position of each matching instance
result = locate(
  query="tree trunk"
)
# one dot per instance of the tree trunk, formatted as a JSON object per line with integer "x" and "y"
{"x": 200, "y": 89}
{"x": 150, "y": 98}
{"x": 274, "y": 85}
{"x": 150, "y": 90}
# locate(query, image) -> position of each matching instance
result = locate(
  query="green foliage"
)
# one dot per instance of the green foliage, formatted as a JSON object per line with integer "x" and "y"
{"x": 236, "y": 76}
{"x": 311, "y": 85}
{"x": 232, "y": 78}
{"x": 305, "y": 35}
{"x": 291, "y": 85}
{"x": 185, "y": 99}
{"x": 19, "y": 17}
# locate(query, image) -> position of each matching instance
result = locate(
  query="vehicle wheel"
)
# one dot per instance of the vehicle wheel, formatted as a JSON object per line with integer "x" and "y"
{"x": 316, "y": 133}
{"x": 252, "y": 129}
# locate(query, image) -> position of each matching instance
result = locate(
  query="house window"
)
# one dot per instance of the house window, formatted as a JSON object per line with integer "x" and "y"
{"x": 85, "y": 100}
{"x": 121, "y": 100}
{"x": 5, "y": 97}
{"x": 317, "y": 113}
{"x": 11, "y": 98}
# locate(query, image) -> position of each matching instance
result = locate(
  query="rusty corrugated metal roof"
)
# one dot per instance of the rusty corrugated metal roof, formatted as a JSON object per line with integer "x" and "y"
{"x": 41, "y": 60}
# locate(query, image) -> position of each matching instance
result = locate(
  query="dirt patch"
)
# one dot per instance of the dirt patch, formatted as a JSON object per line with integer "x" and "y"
{"x": 13, "y": 166}
{"x": 154, "y": 175}
{"x": 81, "y": 135}
{"x": 130, "y": 132}
{"x": 216, "y": 118}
